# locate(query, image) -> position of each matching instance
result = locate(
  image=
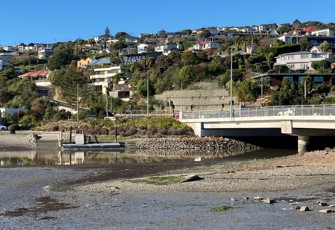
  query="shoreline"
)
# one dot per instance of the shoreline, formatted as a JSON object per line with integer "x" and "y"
{"x": 40, "y": 197}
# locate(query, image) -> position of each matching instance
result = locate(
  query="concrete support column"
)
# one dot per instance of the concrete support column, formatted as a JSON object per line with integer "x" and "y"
{"x": 303, "y": 141}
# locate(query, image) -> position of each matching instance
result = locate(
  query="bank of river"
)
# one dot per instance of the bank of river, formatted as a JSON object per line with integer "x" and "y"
{"x": 103, "y": 197}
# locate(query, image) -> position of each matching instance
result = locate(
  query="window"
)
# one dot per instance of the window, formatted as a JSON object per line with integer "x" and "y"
{"x": 290, "y": 57}
{"x": 290, "y": 66}
{"x": 318, "y": 80}
{"x": 301, "y": 79}
{"x": 290, "y": 78}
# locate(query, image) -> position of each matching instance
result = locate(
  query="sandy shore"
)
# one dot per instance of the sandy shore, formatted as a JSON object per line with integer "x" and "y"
{"x": 47, "y": 198}
{"x": 280, "y": 174}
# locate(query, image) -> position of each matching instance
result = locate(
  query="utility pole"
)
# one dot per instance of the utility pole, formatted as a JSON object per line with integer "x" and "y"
{"x": 147, "y": 94}
{"x": 77, "y": 102}
{"x": 231, "y": 84}
{"x": 106, "y": 104}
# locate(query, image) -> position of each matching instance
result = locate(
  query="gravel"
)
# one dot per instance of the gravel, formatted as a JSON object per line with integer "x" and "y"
{"x": 46, "y": 198}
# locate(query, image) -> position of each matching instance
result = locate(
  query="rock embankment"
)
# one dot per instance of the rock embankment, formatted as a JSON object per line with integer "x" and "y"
{"x": 195, "y": 143}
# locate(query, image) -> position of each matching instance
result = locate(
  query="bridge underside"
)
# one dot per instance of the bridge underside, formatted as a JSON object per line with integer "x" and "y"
{"x": 275, "y": 132}
{"x": 274, "y": 138}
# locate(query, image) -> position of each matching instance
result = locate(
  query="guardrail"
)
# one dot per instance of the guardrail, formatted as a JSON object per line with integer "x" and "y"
{"x": 268, "y": 111}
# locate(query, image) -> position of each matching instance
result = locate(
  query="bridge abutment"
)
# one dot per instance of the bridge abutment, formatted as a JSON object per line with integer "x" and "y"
{"x": 303, "y": 141}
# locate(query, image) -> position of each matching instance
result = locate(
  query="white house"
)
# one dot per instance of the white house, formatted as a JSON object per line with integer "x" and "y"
{"x": 142, "y": 48}
{"x": 301, "y": 60}
{"x": 103, "y": 76}
{"x": 206, "y": 45}
{"x": 291, "y": 39}
{"x": 325, "y": 32}
{"x": 45, "y": 52}
{"x": 168, "y": 48}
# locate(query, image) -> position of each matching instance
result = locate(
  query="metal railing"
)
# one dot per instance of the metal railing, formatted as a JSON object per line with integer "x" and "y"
{"x": 268, "y": 111}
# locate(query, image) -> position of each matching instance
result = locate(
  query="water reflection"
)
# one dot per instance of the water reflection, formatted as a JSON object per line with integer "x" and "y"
{"x": 40, "y": 158}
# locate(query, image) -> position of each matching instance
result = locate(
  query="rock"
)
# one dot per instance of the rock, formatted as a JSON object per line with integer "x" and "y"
{"x": 297, "y": 207}
{"x": 192, "y": 178}
{"x": 268, "y": 201}
{"x": 325, "y": 210}
{"x": 258, "y": 198}
{"x": 322, "y": 203}
{"x": 331, "y": 205}
{"x": 233, "y": 199}
{"x": 246, "y": 198}
{"x": 304, "y": 209}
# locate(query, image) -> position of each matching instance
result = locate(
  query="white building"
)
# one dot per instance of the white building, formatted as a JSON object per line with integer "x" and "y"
{"x": 103, "y": 76}
{"x": 142, "y": 48}
{"x": 325, "y": 32}
{"x": 302, "y": 60}
{"x": 168, "y": 48}
{"x": 206, "y": 45}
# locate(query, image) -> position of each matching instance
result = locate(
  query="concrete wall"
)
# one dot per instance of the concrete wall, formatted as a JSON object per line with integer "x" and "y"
{"x": 202, "y": 96}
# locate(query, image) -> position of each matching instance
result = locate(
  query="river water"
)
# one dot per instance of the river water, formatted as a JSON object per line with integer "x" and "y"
{"x": 129, "y": 156}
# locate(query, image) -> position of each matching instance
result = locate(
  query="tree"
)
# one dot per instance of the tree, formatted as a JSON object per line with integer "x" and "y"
{"x": 121, "y": 35}
{"x": 63, "y": 56}
{"x": 186, "y": 32}
{"x": 107, "y": 32}
{"x": 296, "y": 24}
{"x": 284, "y": 28}
{"x": 69, "y": 82}
{"x": 320, "y": 65}
{"x": 246, "y": 90}
{"x": 185, "y": 76}
{"x": 269, "y": 59}
{"x": 324, "y": 46}
{"x": 162, "y": 34}
{"x": 205, "y": 33}
{"x": 288, "y": 94}
{"x": 238, "y": 75}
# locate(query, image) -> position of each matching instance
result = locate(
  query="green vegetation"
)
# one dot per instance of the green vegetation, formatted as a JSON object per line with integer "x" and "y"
{"x": 159, "y": 180}
{"x": 222, "y": 208}
{"x": 166, "y": 72}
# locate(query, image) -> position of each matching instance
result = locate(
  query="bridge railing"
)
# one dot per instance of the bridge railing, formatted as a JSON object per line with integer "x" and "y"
{"x": 268, "y": 111}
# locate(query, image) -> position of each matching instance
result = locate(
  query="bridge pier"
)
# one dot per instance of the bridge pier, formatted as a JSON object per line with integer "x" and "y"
{"x": 302, "y": 144}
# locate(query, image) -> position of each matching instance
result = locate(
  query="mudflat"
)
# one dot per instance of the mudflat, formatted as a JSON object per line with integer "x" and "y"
{"x": 250, "y": 194}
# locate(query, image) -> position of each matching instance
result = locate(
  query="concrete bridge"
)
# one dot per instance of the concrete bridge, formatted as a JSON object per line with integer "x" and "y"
{"x": 302, "y": 121}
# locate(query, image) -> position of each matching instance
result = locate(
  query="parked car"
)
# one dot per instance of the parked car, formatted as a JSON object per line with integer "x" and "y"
{"x": 3, "y": 127}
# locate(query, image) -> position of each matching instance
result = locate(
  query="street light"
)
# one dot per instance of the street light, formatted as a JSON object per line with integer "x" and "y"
{"x": 147, "y": 95}
{"x": 181, "y": 88}
{"x": 231, "y": 84}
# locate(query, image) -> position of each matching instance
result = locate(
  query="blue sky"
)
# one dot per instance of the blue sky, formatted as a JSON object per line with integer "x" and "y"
{"x": 49, "y": 21}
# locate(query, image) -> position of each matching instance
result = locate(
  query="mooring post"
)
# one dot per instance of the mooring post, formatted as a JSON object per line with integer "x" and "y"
{"x": 303, "y": 141}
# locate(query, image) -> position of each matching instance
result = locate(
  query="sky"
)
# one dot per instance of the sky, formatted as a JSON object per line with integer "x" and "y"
{"x": 50, "y": 21}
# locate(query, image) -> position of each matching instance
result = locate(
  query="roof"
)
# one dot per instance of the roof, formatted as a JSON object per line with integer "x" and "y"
{"x": 35, "y": 73}
{"x": 310, "y": 29}
{"x": 101, "y": 61}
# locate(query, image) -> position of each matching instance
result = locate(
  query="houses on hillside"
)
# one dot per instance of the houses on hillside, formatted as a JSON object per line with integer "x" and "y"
{"x": 108, "y": 76}
{"x": 302, "y": 60}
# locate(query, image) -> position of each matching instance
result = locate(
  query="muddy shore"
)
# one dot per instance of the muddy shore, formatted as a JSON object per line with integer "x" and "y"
{"x": 104, "y": 197}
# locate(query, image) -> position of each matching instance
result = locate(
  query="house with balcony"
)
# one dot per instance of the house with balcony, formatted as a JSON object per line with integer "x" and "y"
{"x": 103, "y": 77}
{"x": 132, "y": 58}
{"x": 84, "y": 62}
{"x": 122, "y": 89}
{"x": 324, "y": 32}
{"x": 302, "y": 60}
{"x": 169, "y": 47}
{"x": 142, "y": 48}
{"x": 203, "y": 45}
{"x": 45, "y": 52}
